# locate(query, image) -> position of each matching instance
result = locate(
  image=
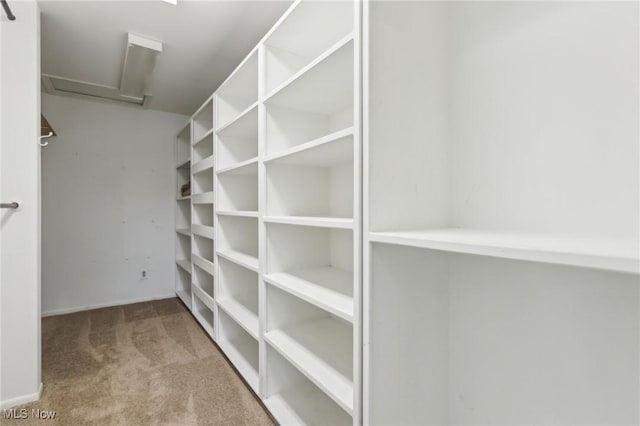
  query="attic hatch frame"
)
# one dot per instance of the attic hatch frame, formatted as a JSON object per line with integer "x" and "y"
{"x": 7, "y": 10}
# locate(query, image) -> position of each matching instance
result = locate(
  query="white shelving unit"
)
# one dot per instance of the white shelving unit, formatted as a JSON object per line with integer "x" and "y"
{"x": 183, "y": 215}
{"x": 501, "y": 204}
{"x": 202, "y": 217}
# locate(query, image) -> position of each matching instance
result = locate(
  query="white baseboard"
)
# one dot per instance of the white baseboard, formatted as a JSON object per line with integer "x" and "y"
{"x": 24, "y": 399}
{"x": 105, "y": 305}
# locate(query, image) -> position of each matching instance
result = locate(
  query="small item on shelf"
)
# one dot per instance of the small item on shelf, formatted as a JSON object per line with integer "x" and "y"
{"x": 185, "y": 190}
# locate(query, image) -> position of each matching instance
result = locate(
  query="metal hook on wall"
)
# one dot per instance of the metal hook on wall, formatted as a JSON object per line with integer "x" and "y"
{"x": 45, "y": 137}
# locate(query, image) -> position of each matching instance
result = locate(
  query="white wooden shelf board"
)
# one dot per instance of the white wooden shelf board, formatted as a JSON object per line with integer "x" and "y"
{"x": 202, "y": 165}
{"x": 239, "y": 213}
{"x": 184, "y": 165}
{"x": 203, "y": 296}
{"x": 185, "y": 297}
{"x": 322, "y": 88}
{"x": 203, "y": 231}
{"x": 327, "y": 150}
{"x": 313, "y": 64}
{"x": 233, "y": 350}
{"x": 328, "y": 288}
{"x": 184, "y": 231}
{"x": 186, "y": 197}
{"x": 248, "y": 167}
{"x": 184, "y": 264}
{"x": 203, "y": 264}
{"x": 323, "y": 222}
{"x": 308, "y": 346}
{"x": 202, "y": 198}
{"x": 301, "y": 406}
{"x": 242, "y": 259}
{"x": 240, "y": 314}
{"x": 600, "y": 253}
{"x": 203, "y": 137}
{"x": 238, "y": 119}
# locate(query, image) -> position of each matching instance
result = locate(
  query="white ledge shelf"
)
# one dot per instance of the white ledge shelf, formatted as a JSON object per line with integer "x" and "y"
{"x": 242, "y": 259}
{"x": 247, "y": 167}
{"x": 308, "y": 347}
{"x": 184, "y": 231}
{"x": 237, "y": 213}
{"x": 184, "y": 165}
{"x": 203, "y": 137}
{"x": 184, "y": 264}
{"x": 203, "y": 231}
{"x": 320, "y": 59}
{"x": 599, "y": 253}
{"x": 186, "y": 197}
{"x": 203, "y": 264}
{"x": 322, "y": 222}
{"x": 202, "y": 165}
{"x": 328, "y": 288}
{"x": 202, "y": 198}
{"x": 335, "y": 153}
{"x": 203, "y": 296}
{"x": 243, "y": 316}
{"x": 247, "y": 111}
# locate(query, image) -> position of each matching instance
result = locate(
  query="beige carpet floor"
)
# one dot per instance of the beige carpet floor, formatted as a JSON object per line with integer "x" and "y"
{"x": 142, "y": 364}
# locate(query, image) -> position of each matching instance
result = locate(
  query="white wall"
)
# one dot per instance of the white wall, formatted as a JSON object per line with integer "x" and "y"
{"x": 20, "y": 181}
{"x": 107, "y": 204}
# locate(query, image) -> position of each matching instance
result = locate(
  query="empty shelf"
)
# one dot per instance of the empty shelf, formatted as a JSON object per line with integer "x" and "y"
{"x": 203, "y": 264}
{"x": 312, "y": 348}
{"x": 246, "y": 318}
{"x": 202, "y": 165}
{"x": 240, "y": 213}
{"x": 184, "y": 231}
{"x": 329, "y": 149}
{"x": 185, "y": 297}
{"x": 203, "y": 297}
{"x": 242, "y": 259}
{"x": 328, "y": 288}
{"x": 203, "y": 230}
{"x": 323, "y": 222}
{"x": 600, "y": 253}
{"x": 203, "y": 198}
{"x": 234, "y": 350}
{"x": 248, "y": 167}
{"x": 184, "y": 264}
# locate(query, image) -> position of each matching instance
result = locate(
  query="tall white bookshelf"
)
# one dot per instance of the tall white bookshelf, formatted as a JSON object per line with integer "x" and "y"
{"x": 502, "y": 204}
{"x": 183, "y": 215}
{"x": 202, "y": 217}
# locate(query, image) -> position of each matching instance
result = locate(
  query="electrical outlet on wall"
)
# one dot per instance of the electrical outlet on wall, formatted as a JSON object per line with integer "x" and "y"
{"x": 144, "y": 274}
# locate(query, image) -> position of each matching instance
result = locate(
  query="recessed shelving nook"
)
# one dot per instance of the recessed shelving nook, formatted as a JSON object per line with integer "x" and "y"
{"x": 182, "y": 211}
{"x": 501, "y": 237}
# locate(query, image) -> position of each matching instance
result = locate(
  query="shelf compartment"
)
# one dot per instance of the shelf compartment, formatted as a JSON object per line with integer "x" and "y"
{"x": 183, "y": 215}
{"x": 184, "y": 164}
{"x": 318, "y": 103}
{"x": 203, "y": 230}
{"x": 203, "y": 247}
{"x": 239, "y": 191}
{"x": 202, "y": 279}
{"x": 328, "y": 288}
{"x": 621, "y": 255}
{"x": 184, "y": 264}
{"x": 203, "y": 149}
{"x": 242, "y": 259}
{"x": 294, "y": 248}
{"x": 238, "y": 141}
{"x": 183, "y": 147}
{"x": 293, "y": 400}
{"x": 446, "y": 318}
{"x": 316, "y": 343}
{"x": 239, "y": 91}
{"x": 203, "y": 297}
{"x": 183, "y": 175}
{"x": 310, "y": 29}
{"x": 202, "y": 182}
{"x": 246, "y": 168}
{"x": 238, "y": 234}
{"x": 240, "y": 213}
{"x": 183, "y": 247}
{"x": 202, "y": 215}
{"x": 203, "y": 120}
{"x": 204, "y": 198}
{"x": 318, "y": 182}
{"x": 183, "y": 286}
{"x": 239, "y": 295}
{"x": 319, "y": 155}
{"x": 241, "y": 349}
{"x": 203, "y": 313}
{"x": 202, "y": 165}
{"x": 203, "y": 264}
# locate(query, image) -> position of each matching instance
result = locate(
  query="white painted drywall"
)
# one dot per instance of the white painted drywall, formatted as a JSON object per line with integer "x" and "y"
{"x": 107, "y": 204}
{"x": 20, "y": 229}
